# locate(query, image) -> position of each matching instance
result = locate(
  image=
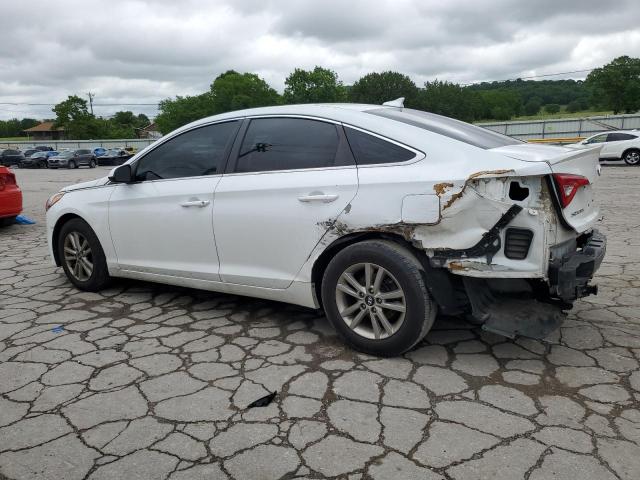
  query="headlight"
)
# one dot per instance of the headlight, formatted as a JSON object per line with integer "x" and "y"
{"x": 53, "y": 199}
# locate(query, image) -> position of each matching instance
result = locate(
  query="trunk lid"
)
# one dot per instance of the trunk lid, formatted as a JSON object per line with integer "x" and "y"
{"x": 582, "y": 212}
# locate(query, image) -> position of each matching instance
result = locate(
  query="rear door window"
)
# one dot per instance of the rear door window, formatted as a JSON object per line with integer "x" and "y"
{"x": 272, "y": 144}
{"x": 371, "y": 150}
{"x": 617, "y": 137}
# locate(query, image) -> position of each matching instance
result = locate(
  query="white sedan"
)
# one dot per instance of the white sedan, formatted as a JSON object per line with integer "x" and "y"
{"x": 616, "y": 145}
{"x": 380, "y": 215}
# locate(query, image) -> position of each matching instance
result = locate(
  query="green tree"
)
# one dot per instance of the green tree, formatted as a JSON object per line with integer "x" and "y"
{"x": 319, "y": 85}
{"x": 501, "y": 104}
{"x": 532, "y": 106}
{"x": 574, "y": 106}
{"x": 552, "y": 108}
{"x": 617, "y": 85}
{"x": 234, "y": 91}
{"x": 182, "y": 110}
{"x": 377, "y": 88}
{"x": 72, "y": 115}
{"x": 451, "y": 100}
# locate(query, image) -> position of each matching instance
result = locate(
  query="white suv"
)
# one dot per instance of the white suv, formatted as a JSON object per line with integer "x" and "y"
{"x": 381, "y": 215}
{"x": 616, "y": 145}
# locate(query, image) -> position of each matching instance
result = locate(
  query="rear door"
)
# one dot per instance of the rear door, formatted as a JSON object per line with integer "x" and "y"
{"x": 291, "y": 177}
{"x": 616, "y": 144}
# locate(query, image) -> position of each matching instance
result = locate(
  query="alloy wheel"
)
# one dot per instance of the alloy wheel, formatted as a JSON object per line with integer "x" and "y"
{"x": 632, "y": 158}
{"x": 78, "y": 256}
{"x": 370, "y": 301}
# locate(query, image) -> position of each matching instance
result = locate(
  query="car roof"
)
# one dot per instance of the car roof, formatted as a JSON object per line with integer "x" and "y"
{"x": 353, "y": 114}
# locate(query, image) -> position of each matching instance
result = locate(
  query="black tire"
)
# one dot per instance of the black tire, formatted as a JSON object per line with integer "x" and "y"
{"x": 71, "y": 165}
{"x": 406, "y": 272}
{"x": 99, "y": 277}
{"x": 92, "y": 163}
{"x": 7, "y": 221}
{"x": 631, "y": 157}
{"x": 42, "y": 165}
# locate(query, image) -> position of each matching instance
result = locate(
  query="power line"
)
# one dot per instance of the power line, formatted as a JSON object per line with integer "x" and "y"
{"x": 530, "y": 77}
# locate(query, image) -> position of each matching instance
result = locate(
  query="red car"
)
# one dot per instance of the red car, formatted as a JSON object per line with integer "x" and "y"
{"x": 10, "y": 197}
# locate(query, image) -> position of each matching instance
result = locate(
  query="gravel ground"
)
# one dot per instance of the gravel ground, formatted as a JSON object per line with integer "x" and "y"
{"x": 149, "y": 381}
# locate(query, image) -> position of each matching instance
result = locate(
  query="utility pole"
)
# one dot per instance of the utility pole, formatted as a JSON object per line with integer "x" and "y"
{"x": 91, "y": 95}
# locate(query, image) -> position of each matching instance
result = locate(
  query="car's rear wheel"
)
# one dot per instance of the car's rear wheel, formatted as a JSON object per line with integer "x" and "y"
{"x": 82, "y": 257}
{"x": 42, "y": 164}
{"x": 72, "y": 164}
{"x": 631, "y": 157}
{"x": 375, "y": 296}
{"x": 92, "y": 163}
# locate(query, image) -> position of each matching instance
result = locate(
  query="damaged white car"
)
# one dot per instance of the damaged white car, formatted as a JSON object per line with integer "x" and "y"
{"x": 380, "y": 215}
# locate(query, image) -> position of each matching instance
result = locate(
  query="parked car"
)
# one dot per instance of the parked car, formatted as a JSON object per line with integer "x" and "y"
{"x": 380, "y": 215}
{"x": 28, "y": 152}
{"x": 10, "y": 197}
{"x": 11, "y": 157}
{"x": 616, "y": 145}
{"x": 114, "y": 156}
{"x": 35, "y": 160}
{"x": 44, "y": 148}
{"x": 73, "y": 159}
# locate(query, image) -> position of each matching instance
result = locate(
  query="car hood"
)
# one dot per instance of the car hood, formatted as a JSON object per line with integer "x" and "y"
{"x": 91, "y": 183}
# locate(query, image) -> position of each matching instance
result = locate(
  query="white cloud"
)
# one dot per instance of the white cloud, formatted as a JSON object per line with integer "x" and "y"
{"x": 137, "y": 51}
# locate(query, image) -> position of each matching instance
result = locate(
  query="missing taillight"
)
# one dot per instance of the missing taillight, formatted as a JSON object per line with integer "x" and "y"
{"x": 568, "y": 185}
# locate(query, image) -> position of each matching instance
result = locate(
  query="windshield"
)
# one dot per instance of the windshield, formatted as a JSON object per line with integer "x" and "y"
{"x": 449, "y": 127}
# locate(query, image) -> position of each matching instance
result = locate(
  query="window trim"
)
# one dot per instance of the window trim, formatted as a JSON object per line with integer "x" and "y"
{"x": 230, "y": 143}
{"x": 419, "y": 155}
{"x": 235, "y": 151}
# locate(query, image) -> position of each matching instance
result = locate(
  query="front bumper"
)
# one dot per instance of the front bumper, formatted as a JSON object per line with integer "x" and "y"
{"x": 573, "y": 264}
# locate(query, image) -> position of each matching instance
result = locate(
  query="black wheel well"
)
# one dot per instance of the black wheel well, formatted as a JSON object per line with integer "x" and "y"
{"x": 630, "y": 149}
{"x": 56, "y": 233}
{"x": 332, "y": 250}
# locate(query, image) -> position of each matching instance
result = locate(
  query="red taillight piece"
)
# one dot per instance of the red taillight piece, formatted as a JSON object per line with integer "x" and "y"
{"x": 568, "y": 185}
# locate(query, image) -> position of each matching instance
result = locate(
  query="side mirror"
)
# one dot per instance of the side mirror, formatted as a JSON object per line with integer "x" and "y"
{"x": 122, "y": 174}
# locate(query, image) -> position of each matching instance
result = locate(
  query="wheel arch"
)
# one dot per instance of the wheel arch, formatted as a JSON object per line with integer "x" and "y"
{"x": 446, "y": 289}
{"x": 56, "y": 233}
{"x": 630, "y": 149}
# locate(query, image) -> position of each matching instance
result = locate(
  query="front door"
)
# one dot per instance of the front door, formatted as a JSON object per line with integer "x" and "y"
{"x": 162, "y": 223}
{"x": 291, "y": 177}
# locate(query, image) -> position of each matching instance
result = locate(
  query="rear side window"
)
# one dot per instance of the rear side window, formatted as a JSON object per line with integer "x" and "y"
{"x": 370, "y": 150}
{"x": 449, "y": 127}
{"x": 288, "y": 144}
{"x": 616, "y": 137}
{"x": 202, "y": 151}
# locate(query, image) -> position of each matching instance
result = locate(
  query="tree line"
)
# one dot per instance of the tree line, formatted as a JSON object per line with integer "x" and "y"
{"x": 614, "y": 86}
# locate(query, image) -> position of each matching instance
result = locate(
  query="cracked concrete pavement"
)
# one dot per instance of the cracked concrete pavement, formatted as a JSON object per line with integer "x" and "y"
{"x": 147, "y": 381}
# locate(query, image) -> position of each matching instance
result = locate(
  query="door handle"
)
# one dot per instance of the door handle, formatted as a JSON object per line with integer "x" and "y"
{"x": 195, "y": 203}
{"x": 318, "y": 198}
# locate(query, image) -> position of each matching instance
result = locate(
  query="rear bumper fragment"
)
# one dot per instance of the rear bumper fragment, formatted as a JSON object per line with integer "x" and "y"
{"x": 573, "y": 264}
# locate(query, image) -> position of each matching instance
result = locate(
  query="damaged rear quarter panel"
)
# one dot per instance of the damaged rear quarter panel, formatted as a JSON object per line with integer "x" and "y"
{"x": 474, "y": 199}
{"x": 468, "y": 208}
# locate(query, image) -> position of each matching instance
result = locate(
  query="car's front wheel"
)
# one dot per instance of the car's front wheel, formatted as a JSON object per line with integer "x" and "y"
{"x": 631, "y": 157}
{"x": 374, "y": 294}
{"x": 92, "y": 163}
{"x": 71, "y": 164}
{"x": 82, "y": 257}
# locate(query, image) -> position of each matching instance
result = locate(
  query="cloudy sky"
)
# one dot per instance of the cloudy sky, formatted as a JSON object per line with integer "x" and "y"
{"x": 142, "y": 51}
